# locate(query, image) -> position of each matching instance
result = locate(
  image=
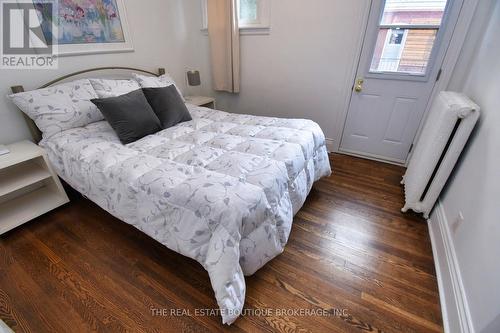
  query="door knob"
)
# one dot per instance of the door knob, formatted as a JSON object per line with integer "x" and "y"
{"x": 358, "y": 86}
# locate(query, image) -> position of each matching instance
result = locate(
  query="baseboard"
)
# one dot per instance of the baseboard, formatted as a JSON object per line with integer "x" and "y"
{"x": 330, "y": 145}
{"x": 455, "y": 310}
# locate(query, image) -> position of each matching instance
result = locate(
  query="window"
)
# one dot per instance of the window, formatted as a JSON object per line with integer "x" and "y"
{"x": 254, "y": 16}
{"x": 406, "y": 36}
{"x": 396, "y": 37}
{"x": 248, "y": 10}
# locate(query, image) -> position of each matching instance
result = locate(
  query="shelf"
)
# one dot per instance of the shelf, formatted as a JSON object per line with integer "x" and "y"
{"x": 20, "y": 152}
{"x": 29, "y": 206}
{"x": 28, "y": 185}
{"x": 20, "y": 176}
{"x": 199, "y": 100}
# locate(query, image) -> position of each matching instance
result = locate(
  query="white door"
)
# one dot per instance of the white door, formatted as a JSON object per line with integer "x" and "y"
{"x": 403, "y": 49}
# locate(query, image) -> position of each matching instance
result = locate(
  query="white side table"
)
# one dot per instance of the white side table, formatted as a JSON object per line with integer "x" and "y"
{"x": 29, "y": 187}
{"x": 208, "y": 102}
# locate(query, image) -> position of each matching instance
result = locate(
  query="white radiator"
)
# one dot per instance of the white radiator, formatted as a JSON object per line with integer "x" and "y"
{"x": 445, "y": 133}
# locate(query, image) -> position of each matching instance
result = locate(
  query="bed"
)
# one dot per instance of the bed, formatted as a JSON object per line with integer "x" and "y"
{"x": 222, "y": 188}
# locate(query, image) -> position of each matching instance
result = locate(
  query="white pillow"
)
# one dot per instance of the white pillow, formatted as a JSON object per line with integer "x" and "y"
{"x": 60, "y": 107}
{"x": 164, "y": 80}
{"x": 111, "y": 88}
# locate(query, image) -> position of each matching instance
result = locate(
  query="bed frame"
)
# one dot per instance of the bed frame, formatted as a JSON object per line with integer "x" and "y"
{"x": 34, "y": 130}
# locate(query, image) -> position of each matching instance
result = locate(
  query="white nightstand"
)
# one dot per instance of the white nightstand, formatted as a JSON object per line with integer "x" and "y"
{"x": 29, "y": 186}
{"x": 208, "y": 102}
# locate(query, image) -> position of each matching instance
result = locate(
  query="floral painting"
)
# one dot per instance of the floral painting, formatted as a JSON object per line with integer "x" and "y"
{"x": 83, "y": 21}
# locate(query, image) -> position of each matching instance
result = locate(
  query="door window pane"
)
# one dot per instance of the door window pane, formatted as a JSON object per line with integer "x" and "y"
{"x": 406, "y": 36}
{"x": 403, "y": 50}
{"x": 414, "y": 12}
{"x": 248, "y": 10}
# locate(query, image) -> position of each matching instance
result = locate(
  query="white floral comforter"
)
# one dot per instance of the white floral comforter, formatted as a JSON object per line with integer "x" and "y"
{"x": 221, "y": 189}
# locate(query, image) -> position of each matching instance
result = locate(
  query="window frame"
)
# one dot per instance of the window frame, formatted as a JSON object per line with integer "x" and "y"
{"x": 388, "y": 42}
{"x": 261, "y": 26}
{"x": 432, "y": 58}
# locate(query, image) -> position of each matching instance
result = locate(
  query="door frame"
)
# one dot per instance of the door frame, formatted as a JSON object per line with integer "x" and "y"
{"x": 450, "y": 59}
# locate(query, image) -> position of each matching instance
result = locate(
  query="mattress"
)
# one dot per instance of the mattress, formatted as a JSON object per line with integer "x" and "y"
{"x": 221, "y": 189}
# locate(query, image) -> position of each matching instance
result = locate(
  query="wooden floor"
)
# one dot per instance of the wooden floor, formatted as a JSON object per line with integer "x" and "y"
{"x": 78, "y": 269}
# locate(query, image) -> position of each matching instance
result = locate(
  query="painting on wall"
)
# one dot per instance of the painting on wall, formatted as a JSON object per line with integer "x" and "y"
{"x": 86, "y": 26}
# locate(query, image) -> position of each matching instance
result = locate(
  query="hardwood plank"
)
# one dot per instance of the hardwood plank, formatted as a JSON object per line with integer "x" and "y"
{"x": 334, "y": 283}
{"x": 350, "y": 248}
{"x": 416, "y": 319}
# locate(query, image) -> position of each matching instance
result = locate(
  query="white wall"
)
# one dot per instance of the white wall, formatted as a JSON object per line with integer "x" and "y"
{"x": 474, "y": 188}
{"x": 303, "y": 68}
{"x": 165, "y": 34}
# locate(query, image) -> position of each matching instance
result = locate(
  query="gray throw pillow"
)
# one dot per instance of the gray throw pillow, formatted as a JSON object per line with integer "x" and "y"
{"x": 168, "y": 105}
{"x": 130, "y": 115}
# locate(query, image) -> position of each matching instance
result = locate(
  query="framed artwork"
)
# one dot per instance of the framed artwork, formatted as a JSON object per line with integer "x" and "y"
{"x": 87, "y": 26}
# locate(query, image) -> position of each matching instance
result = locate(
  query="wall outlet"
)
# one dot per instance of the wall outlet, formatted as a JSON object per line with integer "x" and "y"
{"x": 458, "y": 222}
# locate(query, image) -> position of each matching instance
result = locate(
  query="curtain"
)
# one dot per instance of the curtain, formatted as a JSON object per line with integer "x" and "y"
{"x": 224, "y": 36}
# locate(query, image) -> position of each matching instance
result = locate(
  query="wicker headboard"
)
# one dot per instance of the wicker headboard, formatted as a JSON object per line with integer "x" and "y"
{"x": 35, "y": 132}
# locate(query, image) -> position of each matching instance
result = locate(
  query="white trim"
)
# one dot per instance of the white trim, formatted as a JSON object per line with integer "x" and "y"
{"x": 372, "y": 157}
{"x": 330, "y": 145}
{"x": 450, "y": 59}
{"x": 347, "y": 91}
{"x": 255, "y": 31}
{"x": 454, "y": 306}
{"x": 204, "y": 15}
{"x": 246, "y": 31}
{"x": 4, "y": 328}
{"x": 410, "y": 26}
